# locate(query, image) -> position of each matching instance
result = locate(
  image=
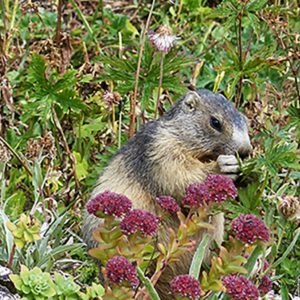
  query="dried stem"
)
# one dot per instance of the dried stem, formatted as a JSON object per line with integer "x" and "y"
{"x": 179, "y": 10}
{"x": 161, "y": 75}
{"x": 137, "y": 74}
{"x": 16, "y": 155}
{"x": 284, "y": 47}
{"x": 58, "y": 25}
{"x": 66, "y": 146}
{"x": 240, "y": 51}
{"x": 11, "y": 256}
{"x": 249, "y": 44}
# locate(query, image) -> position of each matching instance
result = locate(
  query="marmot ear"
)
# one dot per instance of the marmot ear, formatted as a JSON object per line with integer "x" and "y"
{"x": 191, "y": 101}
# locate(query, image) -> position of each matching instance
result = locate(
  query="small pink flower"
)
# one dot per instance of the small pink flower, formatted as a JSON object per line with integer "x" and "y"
{"x": 249, "y": 229}
{"x": 168, "y": 204}
{"x": 109, "y": 203}
{"x": 215, "y": 189}
{"x": 265, "y": 285}
{"x": 186, "y": 286}
{"x": 111, "y": 98}
{"x": 141, "y": 221}
{"x": 163, "y": 39}
{"x": 119, "y": 270}
{"x": 240, "y": 288}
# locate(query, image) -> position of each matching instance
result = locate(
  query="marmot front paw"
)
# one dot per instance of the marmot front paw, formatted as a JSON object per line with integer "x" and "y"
{"x": 229, "y": 166}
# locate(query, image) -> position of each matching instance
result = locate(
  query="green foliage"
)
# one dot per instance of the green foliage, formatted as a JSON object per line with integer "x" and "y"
{"x": 66, "y": 288}
{"x": 53, "y": 85}
{"x": 45, "y": 89}
{"x": 122, "y": 72}
{"x": 93, "y": 291}
{"x": 34, "y": 284}
{"x": 37, "y": 285}
{"x": 26, "y": 231}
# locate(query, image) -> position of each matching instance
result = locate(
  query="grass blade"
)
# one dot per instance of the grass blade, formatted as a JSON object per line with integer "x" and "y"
{"x": 253, "y": 259}
{"x": 198, "y": 257}
{"x": 148, "y": 284}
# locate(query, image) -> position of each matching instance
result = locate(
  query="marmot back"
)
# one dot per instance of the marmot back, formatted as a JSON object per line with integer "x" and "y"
{"x": 199, "y": 135}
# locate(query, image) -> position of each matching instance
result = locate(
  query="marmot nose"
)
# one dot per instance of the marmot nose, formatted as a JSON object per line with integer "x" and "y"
{"x": 245, "y": 151}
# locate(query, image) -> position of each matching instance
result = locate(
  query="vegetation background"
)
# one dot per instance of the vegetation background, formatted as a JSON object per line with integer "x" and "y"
{"x": 59, "y": 60}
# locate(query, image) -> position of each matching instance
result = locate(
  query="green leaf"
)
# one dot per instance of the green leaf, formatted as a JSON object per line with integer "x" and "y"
{"x": 284, "y": 292}
{"x": 198, "y": 257}
{"x": 249, "y": 196}
{"x": 257, "y": 5}
{"x": 81, "y": 166}
{"x": 148, "y": 284}
{"x": 288, "y": 249}
{"x": 253, "y": 259}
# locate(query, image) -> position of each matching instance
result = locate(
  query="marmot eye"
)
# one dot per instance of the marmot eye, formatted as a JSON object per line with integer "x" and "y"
{"x": 215, "y": 123}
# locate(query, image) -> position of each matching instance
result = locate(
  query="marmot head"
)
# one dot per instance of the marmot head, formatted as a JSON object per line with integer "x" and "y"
{"x": 208, "y": 125}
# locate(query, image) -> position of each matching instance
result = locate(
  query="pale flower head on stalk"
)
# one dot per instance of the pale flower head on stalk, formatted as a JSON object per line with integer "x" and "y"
{"x": 163, "y": 39}
{"x": 111, "y": 98}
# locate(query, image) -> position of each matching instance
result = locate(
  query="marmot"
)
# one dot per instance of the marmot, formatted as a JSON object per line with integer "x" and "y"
{"x": 199, "y": 135}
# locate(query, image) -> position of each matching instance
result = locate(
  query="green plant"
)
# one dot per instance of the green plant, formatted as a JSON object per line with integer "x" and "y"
{"x": 57, "y": 132}
{"x": 34, "y": 284}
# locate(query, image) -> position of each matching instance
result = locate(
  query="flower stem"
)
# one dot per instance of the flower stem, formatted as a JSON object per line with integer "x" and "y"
{"x": 160, "y": 84}
{"x": 67, "y": 148}
{"x": 17, "y": 156}
{"x": 86, "y": 24}
{"x": 137, "y": 75}
{"x": 11, "y": 256}
{"x": 58, "y": 24}
{"x": 240, "y": 51}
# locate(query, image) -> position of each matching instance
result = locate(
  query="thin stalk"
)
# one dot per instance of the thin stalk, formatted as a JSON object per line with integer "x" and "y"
{"x": 11, "y": 256}
{"x": 113, "y": 119}
{"x": 3, "y": 10}
{"x": 86, "y": 24}
{"x": 16, "y": 155}
{"x": 157, "y": 274}
{"x": 137, "y": 75}
{"x": 11, "y": 26}
{"x": 249, "y": 44}
{"x": 179, "y": 10}
{"x": 120, "y": 130}
{"x": 98, "y": 8}
{"x": 120, "y": 45}
{"x": 161, "y": 74}
{"x": 240, "y": 51}
{"x": 66, "y": 146}
{"x": 13, "y": 16}
{"x": 58, "y": 25}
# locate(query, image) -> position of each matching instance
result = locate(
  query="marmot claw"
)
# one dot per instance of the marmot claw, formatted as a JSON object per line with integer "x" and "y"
{"x": 229, "y": 165}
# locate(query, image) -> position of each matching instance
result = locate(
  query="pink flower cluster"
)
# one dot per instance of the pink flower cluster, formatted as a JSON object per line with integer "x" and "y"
{"x": 186, "y": 286}
{"x": 168, "y": 204}
{"x": 215, "y": 189}
{"x": 265, "y": 285}
{"x": 109, "y": 203}
{"x": 113, "y": 204}
{"x": 141, "y": 221}
{"x": 249, "y": 229}
{"x": 240, "y": 288}
{"x": 119, "y": 270}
